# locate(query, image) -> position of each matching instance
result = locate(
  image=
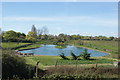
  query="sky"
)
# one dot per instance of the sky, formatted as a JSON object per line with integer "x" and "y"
{"x": 84, "y": 18}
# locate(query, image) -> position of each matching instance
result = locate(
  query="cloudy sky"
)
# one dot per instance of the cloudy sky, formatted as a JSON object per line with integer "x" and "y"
{"x": 85, "y": 18}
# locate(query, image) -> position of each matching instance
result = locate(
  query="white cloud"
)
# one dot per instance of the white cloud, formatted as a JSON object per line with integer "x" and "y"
{"x": 28, "y": 19}
{"x": 71, "y": 20}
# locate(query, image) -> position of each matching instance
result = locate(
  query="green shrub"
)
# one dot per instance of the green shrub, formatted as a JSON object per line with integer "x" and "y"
{"x": 15, "y": 66}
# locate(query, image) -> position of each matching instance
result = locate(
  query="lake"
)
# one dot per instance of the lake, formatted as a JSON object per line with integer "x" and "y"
{"x": 52, "y": 51}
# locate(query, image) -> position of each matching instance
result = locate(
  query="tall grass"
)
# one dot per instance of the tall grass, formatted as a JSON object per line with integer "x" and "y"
{"x": 91, "y": 72}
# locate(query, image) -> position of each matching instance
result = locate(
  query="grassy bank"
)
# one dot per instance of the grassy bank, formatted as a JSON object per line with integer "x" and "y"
{"x": 15, "y": 44}
{"x": 12, "y": 44}
{"x": 30, "y": 46}
{"x": 104, "y": 46}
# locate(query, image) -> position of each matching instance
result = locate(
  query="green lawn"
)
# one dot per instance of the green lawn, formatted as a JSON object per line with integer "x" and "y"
{"x": 51, "y": 60}
{"x": 12, "y": 44}
{"x": 112, "y": 46}
{"x": 109, "y": 45}
{"x": 101, "y": 45}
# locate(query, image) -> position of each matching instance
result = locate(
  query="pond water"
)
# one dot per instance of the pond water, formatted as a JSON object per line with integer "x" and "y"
{"x": 52, "y": 51}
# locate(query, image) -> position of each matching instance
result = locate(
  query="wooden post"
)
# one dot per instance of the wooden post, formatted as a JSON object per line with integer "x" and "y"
{"x": 77, "y": 63}
{"x": 96, "y": 66}
{"x": 36, "y": 71}
{"x": 56, "y": 63}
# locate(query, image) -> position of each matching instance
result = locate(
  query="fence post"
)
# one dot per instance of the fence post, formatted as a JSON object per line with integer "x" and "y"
{"x": 56, "y": 63}
{"x": 36, "y": 70}
{"x": 76, "y": 63}
{"x": 96, "y": 66}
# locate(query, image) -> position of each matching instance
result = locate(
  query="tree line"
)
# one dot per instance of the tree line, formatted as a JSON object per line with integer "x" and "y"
{"x": 42, "y": 34}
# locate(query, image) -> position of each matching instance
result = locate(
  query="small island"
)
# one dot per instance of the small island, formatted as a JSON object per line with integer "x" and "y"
{"x": 60, "y": 44}
{"x": 60, "y": 47}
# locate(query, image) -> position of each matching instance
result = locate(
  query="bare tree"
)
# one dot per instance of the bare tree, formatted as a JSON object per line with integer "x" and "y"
{"x": 45, "y": 30}
{"x": 39, "y": 32}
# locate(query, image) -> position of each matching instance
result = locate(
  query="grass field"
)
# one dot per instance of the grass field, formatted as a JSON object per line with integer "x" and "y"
{"x": 56, "y": 60}
{"x": 106, "y": 46}
{"x": 12, "y": 44}
{"x": 111, "y": 46}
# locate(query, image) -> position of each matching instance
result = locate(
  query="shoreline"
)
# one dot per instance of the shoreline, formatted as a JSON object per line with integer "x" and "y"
{"x": 27, "y": 49}
{"x": 74, "y": 45}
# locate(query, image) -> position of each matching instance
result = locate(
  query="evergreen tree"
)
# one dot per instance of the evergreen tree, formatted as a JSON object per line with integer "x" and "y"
{"x": 34, "y": 29}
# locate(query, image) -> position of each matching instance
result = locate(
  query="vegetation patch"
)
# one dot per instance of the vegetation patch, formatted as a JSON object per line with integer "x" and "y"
{"x": 53, "y": 60}
{"x": 60, "y": 46}
{"x": 15, "y": 67}
{"x": 89, "y": 73}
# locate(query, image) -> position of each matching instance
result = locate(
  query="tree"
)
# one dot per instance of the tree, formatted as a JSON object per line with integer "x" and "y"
{"x": 44, "y": 37}
{"x": 45, "y": 30}
{"x": 10, "y": 35}
{"x": 34, "y": 30}
{"x": 39, "y": 32}
{"x": 85, "y": 54}
{"x": 13, "y": 36}
{"x": 31, "y": 36}
{"x": 111, "y": 37}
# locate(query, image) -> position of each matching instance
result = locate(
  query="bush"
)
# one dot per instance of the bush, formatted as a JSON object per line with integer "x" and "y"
{"x": 15, "y": 66}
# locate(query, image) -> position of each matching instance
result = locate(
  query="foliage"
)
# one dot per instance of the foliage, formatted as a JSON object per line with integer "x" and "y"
{"x": 46, "y": 42}
{"x": 13, "y": 36}
{"x": 92, "y": 73}
{"x": 62, "y": 55}
{"x": 74, "y": 57}
{"x": 85, "y": 55}
{"x": 14, "y": 66}
{"x": 31, "y": 36}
